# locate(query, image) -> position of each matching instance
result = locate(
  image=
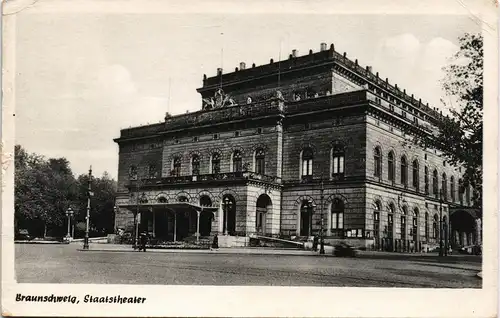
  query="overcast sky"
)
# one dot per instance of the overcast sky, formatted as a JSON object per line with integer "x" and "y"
{"x": 83, "y": 77}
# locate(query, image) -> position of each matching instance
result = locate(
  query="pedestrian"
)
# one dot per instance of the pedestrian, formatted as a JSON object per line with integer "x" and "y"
{"x": 144, "y": 239}
{"x": 215, "y": 243}
{"x": 315, "y": 243}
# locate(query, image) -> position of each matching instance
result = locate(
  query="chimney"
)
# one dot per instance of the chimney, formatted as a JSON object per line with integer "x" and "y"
{"x": 271, "y": 61}
{"x": 219, "y": 71}
{"x": 295, "y": 53}
{"x": 322, "y": 47}
{"x": 310, "y": 52}
{"x": 242, "y": 65}
{"x": 236, "y": 69}
{"x": 253, "y": 65}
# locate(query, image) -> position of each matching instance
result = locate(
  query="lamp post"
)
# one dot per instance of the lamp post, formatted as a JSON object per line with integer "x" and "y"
{"x": 311, "y": 206}
{"x": 441, "y": 222}
{"x": 69, "y": 214}
{"x": 87, "y": 217}
{"x": 322, "y": 234}
{"x": 227, "y": 205}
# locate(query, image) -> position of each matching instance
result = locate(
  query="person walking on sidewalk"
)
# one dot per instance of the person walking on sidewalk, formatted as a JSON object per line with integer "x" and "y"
{"x": 315, "y": 243}
{"x": 143, "y": 240}
{"x": 215, "y": 243}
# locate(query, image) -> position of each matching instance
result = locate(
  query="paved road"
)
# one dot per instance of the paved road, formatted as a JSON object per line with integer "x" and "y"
{"x": 65, "y": 264}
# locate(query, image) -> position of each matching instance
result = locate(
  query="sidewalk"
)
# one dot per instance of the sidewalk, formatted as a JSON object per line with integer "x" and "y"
{"x": 224, "y": 250}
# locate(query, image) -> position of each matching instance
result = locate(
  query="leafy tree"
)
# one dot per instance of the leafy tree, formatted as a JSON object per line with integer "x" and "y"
{"x": 46, "y": 188}
{"x": 460, "y": 135}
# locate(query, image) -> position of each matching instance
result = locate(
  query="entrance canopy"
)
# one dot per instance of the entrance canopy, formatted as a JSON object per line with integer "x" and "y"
{"x": 174, "y": 206}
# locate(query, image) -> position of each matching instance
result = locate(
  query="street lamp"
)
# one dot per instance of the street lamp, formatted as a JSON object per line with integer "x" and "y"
{"x": 311, "y": 206}
{"x": 69, "y": 214}
{"x": 87, "y": 217}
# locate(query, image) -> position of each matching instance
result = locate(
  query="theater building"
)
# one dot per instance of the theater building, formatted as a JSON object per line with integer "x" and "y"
{"x": 289, "y": 148}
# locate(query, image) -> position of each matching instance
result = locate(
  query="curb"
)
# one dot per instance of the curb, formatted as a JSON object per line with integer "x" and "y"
{"x": 193, "y": 251}
{"x": 41, "y": 242}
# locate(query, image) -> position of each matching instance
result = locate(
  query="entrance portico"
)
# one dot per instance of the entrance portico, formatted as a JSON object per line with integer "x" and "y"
{"x": 173, "y": 221}
{"x": 465, "y": 227}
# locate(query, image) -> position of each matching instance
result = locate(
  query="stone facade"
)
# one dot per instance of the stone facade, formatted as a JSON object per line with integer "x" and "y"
{"x": 298, "y": 146}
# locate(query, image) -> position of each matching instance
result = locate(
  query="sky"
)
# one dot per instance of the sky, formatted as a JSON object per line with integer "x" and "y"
{"x": 81, "y": 77}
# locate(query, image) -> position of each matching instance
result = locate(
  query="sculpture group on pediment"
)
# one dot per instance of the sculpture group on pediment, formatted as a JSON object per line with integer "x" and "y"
{"x": 219, "y": 100}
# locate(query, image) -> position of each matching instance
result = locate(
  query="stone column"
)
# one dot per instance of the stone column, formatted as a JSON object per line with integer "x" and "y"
{"x": 198, "y": 226}
{"x": 154, "y": 222}
{"x": 221, "y": 220}
{"x": 175, "y": 226}
{"x": 478, "y": 228}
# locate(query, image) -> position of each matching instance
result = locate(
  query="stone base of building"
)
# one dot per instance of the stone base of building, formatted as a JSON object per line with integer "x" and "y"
{"x": 233, "y": 241}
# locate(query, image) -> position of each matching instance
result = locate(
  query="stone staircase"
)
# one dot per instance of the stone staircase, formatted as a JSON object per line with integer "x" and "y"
{"x": 274, "y": 242}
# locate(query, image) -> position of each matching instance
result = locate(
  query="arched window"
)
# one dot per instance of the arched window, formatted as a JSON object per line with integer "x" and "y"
{"x": 444, "y": 187}
{"x": 307, "y": 162}
{"x": 260, "y": 161}
{"x": 404, "y": 171}
{"x": 435, "y": 186}
{"x": 215, "y": 163}
{"x": 435, "y": 229}
{"x": 426, "y": 226}
{"x": 416, "y": 177}
{"x": 162, "y": 199}
{"x": 176, "y": 167}
{"x": 195, "y": 165}
{"x": 377, "y": 159}
{"x": 390, "y": 221}
{"x": 391, "y": 166}
{"x": 237, "y": 163}
{"x": 426, "y": 180}
{"x": 132, "y": 172}
{"x": 452, "y": 188}
{"x": 337, "y": 217}
{"x": 337, "y": 161}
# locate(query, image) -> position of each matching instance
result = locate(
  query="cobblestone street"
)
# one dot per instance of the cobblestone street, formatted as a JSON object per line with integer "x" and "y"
{"x": 66, "y": 264}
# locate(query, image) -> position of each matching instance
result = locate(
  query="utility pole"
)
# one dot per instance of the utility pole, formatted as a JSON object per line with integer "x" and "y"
{"x": 322, "y": 237}
{"x": 87, "y": 218}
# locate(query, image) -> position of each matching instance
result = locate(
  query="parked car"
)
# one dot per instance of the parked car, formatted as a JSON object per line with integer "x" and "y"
{"x": 23, "y": 235}
{"x": 344, "y": 250}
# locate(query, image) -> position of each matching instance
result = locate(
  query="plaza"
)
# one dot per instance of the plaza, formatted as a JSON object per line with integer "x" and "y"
{"x": 112, "y": 264}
